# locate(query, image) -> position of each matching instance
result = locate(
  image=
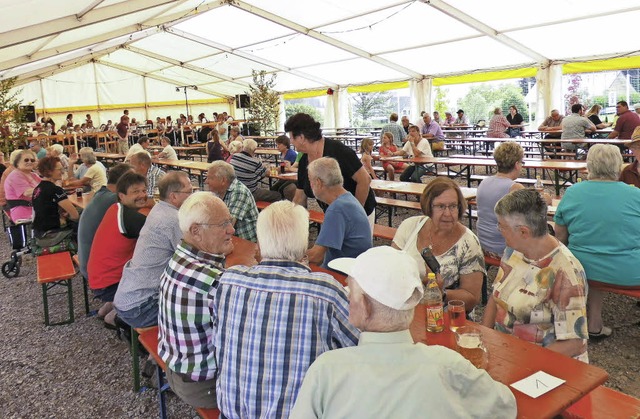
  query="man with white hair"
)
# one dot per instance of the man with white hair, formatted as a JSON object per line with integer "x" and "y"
{"x": 387, "y": 374}
{"x": 136, "y": 300}
{"x": 278, "y": 312}
{"x": 186, "y": 312}
{"x": 345, "y": 230}
{"x": 250, "y": 171}
{"x": 221, "y": 179}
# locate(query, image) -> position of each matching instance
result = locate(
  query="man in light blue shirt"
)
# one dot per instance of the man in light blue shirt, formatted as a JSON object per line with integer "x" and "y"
{"x": 396, "y": 130}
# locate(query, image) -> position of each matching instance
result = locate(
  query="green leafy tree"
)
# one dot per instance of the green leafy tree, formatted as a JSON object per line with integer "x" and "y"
{"x": 475, "y": 106}
{"x": 440, "y": 102}
{"x": 264, "y": 102}
{"x": 512, "y": 95}
{"x": 13, "y": 127}
{"x": 295, "y": 108}
{"x": 369, "y": 105}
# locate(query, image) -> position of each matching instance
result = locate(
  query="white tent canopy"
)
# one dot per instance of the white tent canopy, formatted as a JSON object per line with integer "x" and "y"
{"x": 84, "y": 54}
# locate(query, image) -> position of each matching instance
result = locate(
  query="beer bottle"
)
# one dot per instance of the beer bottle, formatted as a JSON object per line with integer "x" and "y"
{"x": 433, "y": 300}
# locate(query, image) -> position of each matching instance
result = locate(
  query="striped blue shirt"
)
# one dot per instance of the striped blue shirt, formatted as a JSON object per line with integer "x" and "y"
{"x": 249, "y": 170}
{"x": 274, "y": 320}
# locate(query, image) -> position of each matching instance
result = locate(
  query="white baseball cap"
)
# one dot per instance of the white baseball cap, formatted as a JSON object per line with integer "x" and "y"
{"x": 388, "y": 275}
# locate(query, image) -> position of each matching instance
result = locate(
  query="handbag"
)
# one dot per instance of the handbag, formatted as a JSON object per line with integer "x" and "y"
{"x": 54, "y": 241}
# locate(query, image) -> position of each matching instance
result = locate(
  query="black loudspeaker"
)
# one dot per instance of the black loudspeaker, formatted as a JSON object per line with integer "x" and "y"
{"x": 243, "y": 101}
{"x": 250, "y": 129}
{"x": 29, "y": 113}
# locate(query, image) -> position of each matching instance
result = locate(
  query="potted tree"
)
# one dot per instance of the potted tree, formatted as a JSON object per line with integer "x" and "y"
{"x": 264, "y": 105}
{"x": 13, "y": 128}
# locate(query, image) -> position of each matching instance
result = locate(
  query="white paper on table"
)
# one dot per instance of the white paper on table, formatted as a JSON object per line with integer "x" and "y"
{"x": 537, "y": 384}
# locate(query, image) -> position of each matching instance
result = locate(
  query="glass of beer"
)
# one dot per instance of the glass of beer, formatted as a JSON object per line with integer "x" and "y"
{"x": 470, "y": 345}
{"x": 457, "y": 315}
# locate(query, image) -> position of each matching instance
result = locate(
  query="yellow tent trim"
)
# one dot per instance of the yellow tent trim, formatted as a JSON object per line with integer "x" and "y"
{"x": 488, "y": 76}
{"x": 304, "y": 95}
{"x": 602, "y": 65}
{"x": 130, "y": 106}
{"x": 378, "y": 87}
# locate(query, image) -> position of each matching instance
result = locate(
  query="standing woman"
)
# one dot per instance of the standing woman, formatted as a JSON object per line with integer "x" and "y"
{"x": 20, "y": 184}
{"x": 51, "y": 207}
{"x": 515, "y": 119}
{"x": 366, "y": 147}
{"x": 215, "y": 147}
{"x": 498, "y": 125}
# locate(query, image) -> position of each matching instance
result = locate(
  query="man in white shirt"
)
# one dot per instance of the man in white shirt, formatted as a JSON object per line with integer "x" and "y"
{"x": 387, "y": 374}
{"x": 415, "y": 146}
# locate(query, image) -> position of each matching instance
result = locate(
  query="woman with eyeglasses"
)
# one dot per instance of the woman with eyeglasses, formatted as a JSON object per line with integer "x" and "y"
{"x": 20, "y": 184}
{"x": 508, "y": 157}
{"x": 539, "y": 294}
{"x": 454, "y": 246}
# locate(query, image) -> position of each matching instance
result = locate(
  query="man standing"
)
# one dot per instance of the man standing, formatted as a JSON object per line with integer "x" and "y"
{"x": 136, "y": 300}
{"x": 387, "y": 374}
{"x": 122, "y": 130}
{"x": 141, "y": 163}
{"x": 416, "y": 146}
{"x": 115, "y": 240}
{"x": 432, "y": 132}
{"x": 345, "y": 230}
{"x": 395, "y": 129}
{"x": 90, "y": 218}
{"x": 250, "y": 170}
{"x": 186, "y": 311}
{"x": 278, "y": 314}
{"x": 221, "y": 179}
{"x": 575, "y": 126}
{"x": 626, "y": 123}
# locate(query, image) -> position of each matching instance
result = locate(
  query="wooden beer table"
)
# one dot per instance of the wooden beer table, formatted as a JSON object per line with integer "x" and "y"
{"x": 110, "y": 159}
{"x": 81, "y": 202}
{"x": 512, "y": 359}
{"x": 197, "y": 168}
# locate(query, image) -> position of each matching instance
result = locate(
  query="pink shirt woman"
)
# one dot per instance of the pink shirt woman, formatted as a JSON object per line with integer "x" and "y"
{"x": 20, "y": 184}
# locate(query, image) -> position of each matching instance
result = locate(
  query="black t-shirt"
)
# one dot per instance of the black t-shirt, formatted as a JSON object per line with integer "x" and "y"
{"x": 595, "y": 119}
{"x": 46, "y": 197}
{"x": 349, "y": 165}
{"x": 515, "y": 120}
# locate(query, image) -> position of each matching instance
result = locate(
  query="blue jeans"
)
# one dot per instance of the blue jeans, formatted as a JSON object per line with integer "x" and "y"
{"x": 145, "y": 315}
{"x": 414, "y": 173}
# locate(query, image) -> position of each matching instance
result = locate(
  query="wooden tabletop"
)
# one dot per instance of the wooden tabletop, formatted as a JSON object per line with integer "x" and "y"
{"x": 512, "y": 359}
{"x": 81, "y": 202}
{"x": 412, "y": 188}
{"x": 268, "y": 151}
{"x": 55, "y": 267}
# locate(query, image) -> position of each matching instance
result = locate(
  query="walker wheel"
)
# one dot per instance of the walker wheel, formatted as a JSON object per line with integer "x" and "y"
{"x": 10, "y": 269}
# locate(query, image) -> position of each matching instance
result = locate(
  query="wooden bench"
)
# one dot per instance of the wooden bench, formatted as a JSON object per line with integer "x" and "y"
{"x": 616, "y": 289}
{"x": 56, "y": 270}
{"x": 149, "y": 340}
{"x": 603, "y": 402}
{"x": 392, "y": 204}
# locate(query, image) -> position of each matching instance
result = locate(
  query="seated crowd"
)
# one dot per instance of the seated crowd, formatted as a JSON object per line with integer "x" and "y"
{"x": 277, "y": 339}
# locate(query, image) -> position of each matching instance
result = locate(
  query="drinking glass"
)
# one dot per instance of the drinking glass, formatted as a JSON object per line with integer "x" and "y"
{"x": 457, "y": 314}
{"x": 471, "y": 346}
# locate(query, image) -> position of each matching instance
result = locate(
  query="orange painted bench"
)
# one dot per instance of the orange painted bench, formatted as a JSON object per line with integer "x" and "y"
{"x": 149, "y": 340}
{"x": 616, "y": 289}
{"x": 603, "y": 403}
{"x": 56, "y": 270}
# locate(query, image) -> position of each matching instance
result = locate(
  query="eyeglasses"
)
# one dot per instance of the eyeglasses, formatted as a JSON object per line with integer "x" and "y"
{"x": 29, "y": 160}
{"x": 190, "y": 191}
{"x": 230, "y": 222}
{"x": 442, "y": 207}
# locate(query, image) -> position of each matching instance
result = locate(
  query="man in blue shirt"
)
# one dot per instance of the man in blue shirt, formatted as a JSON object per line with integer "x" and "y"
{"x": 346, "y": 231}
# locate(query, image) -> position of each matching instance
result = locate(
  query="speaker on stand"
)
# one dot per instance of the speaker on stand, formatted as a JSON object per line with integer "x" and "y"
{"x": 243, "y": 102}
{"x": 29, "y": 113}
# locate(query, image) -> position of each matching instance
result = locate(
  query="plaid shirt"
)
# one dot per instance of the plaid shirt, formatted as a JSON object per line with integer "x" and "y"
{"x": 154, "y": 174}
{"x": 242, "y": 206}
{"x": 185, "y": 315}
{"x": 274, "y": 320}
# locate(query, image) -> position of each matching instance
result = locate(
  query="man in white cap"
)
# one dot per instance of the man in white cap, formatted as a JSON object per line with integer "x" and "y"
{"x": 387, "y": 374}
{"x": 630, "y": 173}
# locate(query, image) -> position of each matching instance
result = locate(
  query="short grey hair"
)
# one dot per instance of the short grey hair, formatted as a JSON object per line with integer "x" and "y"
{"x": 384, "y": 318}
{"x": 497, "y": 111}
{"x": 197, "y": 209}
{"x": 58, "y": 148}
{"x": 222, "y": 170}
{"x": 87, "y": 156}
{"x": 171, "y": 182}
{"x": 604, "y": 161}
{"x": 141, "y": 158}
{"x": 327, "y": 170}
{"x": 16, "y": 159}
{"x": 524, "y": 207}
{"x": 235, "y": 146}
{"x": 249, "y": 145}
{"x": 283, "y": 231}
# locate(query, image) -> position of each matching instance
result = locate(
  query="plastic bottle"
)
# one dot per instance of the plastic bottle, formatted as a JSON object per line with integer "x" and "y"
{"x": 538, "y": 186}
{"x": 433, "y": 301}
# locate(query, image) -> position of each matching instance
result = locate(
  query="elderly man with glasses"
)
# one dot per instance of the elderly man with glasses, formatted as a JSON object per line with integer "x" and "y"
{"x": 136, "y": 300}
{"x": 186, "y": 311}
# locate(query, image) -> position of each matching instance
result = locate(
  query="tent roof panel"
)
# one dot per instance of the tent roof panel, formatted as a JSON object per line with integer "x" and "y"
{"x": 137, "y": 61}
{"x": 173, "y": 47}
{"x": 230, "y": 64}
{"x": 185, "y": 76}
{"x": 20, "y": 49}
{"x": 226, "y": 88}
{"x": 356, "y": 71}
{"x": 233, "y": 27}
{"x": 286, "y": 82}
{"x": 33, "y": 12}
{"x": 408, "y": 20}
{"x": 477, "y": 53}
